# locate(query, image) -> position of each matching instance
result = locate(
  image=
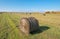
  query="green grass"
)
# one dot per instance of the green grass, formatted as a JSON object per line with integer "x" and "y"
{"x": 8, "y": 29}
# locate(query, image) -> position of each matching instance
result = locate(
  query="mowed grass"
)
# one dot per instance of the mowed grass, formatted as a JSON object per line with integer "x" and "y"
{"x": 49, "y": 26}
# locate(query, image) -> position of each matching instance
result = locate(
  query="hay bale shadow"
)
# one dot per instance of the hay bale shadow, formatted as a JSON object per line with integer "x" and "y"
{"x": 40, "y": 30}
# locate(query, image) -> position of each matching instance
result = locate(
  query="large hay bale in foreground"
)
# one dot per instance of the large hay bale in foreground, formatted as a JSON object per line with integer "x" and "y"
{"x": 28, "y": 25}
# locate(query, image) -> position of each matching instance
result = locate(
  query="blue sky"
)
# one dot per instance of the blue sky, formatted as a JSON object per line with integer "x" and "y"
{"x": 29, "y": 5}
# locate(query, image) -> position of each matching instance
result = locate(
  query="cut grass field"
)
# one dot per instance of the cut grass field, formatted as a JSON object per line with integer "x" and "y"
{"x": 49, "y": 26}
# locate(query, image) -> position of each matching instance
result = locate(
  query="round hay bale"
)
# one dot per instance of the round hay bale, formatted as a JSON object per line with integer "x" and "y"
{"x": 44, "y": 14}
{"x": 28, "y": 25}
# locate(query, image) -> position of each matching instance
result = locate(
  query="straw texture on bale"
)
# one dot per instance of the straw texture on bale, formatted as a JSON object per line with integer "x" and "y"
{"x": 28, "y": 25}
{"x": 33, "y": 24}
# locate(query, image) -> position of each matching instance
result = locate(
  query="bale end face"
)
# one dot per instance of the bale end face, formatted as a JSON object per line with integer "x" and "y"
{"x": 24, "y": 25}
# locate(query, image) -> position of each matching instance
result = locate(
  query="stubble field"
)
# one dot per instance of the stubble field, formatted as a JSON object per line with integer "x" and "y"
{"x": 49, "y": 26}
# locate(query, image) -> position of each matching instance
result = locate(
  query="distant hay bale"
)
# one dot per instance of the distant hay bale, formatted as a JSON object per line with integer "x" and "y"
{"x": 47, "y": 12}
{"x": 30, "y": 13}
{"x": 44, "y": 14}
{"x": 28, "y": 25}
{"x": 1, "y": 12}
